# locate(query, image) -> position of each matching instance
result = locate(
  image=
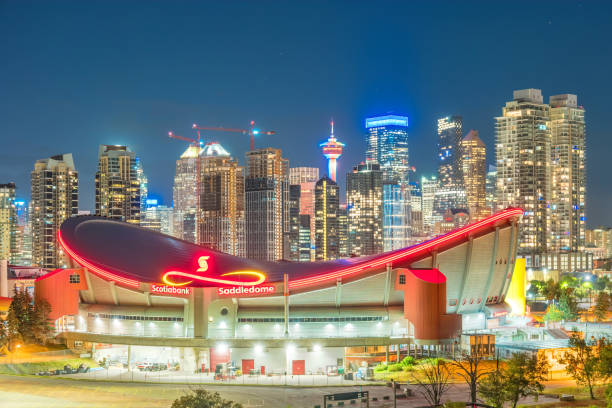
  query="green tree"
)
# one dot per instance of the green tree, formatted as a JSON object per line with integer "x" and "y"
{"x": 28, "y": 320}
{"x": 40, "y": 323}
{"x": 601, "y": 283}
{"x": 552, "y": 290}
{"x": 602, "y": 305}
{"x": 583, "y": 362}
{"x": 524, "y": 375}
{"x": 568, "y": 306}
{"x": 200, "y": 398}
{"x": 493, "y": 389}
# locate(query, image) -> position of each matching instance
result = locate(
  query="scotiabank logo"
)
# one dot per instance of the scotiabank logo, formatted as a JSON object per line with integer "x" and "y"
{"x": 170, "y": 290}
{"x": 247, "y": 290}
{"x": 180, "y": 278}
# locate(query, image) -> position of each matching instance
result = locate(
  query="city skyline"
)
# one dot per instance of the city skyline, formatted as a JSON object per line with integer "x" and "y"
{"x": 109, "y": 104}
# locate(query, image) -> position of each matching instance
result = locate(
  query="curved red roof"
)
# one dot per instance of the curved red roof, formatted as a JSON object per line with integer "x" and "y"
{"x": 128, "y": 254}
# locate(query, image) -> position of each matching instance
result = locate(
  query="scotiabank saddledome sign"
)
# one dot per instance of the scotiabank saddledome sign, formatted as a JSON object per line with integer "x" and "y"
{"x": 236, "y": 283}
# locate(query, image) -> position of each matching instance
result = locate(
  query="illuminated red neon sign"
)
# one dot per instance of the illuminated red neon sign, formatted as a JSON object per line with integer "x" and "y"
{"x": 259, "y": 277}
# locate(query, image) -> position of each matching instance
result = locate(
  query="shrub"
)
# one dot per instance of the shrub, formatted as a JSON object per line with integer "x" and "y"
{"x": 380, "y": 368}
{"x": 408, "y": 361}
{"x": 395, "y": 368}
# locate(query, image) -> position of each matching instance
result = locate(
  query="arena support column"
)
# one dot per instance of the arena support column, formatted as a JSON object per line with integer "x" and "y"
{"x": 201, "y": 300}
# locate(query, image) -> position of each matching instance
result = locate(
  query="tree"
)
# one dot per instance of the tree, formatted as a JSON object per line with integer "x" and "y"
{"x": 493, "y": 389}
{"x": 28, "y": 320}
{"x": 583, "y": 362}
{"x": 469, "y": 368}
{"x": 602, "y": 305}
{"x": 200, "y": 398}
{"x": 41, "y": 326}
{"x": 601, "y": 283}
{"x": 524, "y": 375}
{"x": 432, "y": 380}
{"x": 552, "y": 290}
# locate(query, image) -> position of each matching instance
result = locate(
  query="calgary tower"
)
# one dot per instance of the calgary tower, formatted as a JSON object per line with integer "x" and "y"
{"x": 332, "y": 149}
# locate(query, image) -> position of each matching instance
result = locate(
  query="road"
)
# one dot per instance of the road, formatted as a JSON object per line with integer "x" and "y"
{"x": 48, "y": 392}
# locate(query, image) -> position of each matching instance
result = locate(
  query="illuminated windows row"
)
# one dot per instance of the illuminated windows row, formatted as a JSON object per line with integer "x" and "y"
{"x": 312, "y": 319}
{"x": 142, "y": 318}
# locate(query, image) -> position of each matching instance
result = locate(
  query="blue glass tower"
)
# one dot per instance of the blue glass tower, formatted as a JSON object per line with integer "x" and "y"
{"x": 387, "y": 145}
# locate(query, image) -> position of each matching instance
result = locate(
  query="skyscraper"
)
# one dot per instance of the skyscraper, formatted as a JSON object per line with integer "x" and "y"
{"x": 474, "y": 170}
{"x": 157, "y": 217}
{"x": 23, "y": 253}
{"x": 416, "y": 210}
{"x": 292, "y": 243}
{"x": 451, "y": 191}
{"x": 266, "y": 195}
{"x": 568, "y": 165}
{"x": 8, "y": 222}
{"x": 55, "y": 198}
{"x": 118, "y": 184}
{"x": 429, "y": 187}
{"x": 305, "y": 244}
{"x": 523, "y": 144}
{"x": 332, "y": 150}
{"x": 387, "y": 145}
{"x": 306, "y": 178}
{"x": 327, "y": 196}
{"x": 343, "y": 245}
{"x": 490, "y": 187}
{"x": 364, "y": 203}
{"x": 184, "y": 196}
{"x": 222, "y": 203}
{"x": 144, "y": 186}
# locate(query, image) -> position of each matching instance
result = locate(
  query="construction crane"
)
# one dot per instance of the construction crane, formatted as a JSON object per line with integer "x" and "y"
{"x": 197, "y": 145}
{"x": 251, "y": 131}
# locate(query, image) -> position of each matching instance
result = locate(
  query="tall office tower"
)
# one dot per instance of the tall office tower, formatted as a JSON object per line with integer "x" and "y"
{"x": 600, "y": 239}
{"x": 117, "y": 184}
{"x": 306, "y": 177}
{"x": 490, "y": 184}
{"x": 416, "y": 210}
{"x": 327, "y": 196}
{"x": 568, "y": 187}
{"x": 523, "y": 166}
{"x": 305, "y": 244}
{"x": 266, "y": 197}
{"x": 23, "y": 254}
{"x": 144, "y": 186}
{"x": 8, "y": 222}
{"x": 451, "y": 190}
{"x": 55, "y": 198}
{"x": 364, "y": 203}
{"x": 343, "y": 246}
{"x": 157, "y": 217}
{"x": 429, "y": 186}
{"x": 474, "y": 163}
{"x": 222, "y": 202}
{"x": 292, "y": 243}
{"x": 184, "y": 196}
{"x": 332, "y": 150}
{"x": 387, "y": 145}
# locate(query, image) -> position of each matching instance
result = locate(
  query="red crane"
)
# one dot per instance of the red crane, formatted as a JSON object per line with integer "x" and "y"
{"x": 196, "y": 144}
{"x": 251, "y": 131}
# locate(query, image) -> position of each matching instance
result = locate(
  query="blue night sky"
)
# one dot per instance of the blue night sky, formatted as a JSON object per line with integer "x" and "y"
{"x": 78, "y": 74}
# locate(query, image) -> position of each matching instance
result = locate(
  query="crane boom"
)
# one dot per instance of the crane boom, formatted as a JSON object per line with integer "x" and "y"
{"x": 251, "y": 131}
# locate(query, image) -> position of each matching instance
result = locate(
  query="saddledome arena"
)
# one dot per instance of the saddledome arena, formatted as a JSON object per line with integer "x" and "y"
{"x": 133, "y": 295}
